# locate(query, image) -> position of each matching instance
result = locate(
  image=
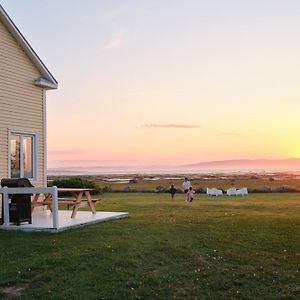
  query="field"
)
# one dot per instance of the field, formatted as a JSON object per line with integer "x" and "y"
{"x": 199, "y": 181}
{"x": 212, "y": 248}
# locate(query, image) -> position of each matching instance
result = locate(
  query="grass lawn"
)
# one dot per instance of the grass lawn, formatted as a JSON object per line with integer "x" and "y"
{"x": 213, "y": 248}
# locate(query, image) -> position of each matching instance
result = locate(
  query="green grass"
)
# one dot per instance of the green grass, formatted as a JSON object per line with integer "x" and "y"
{"x": 213, "y": 248}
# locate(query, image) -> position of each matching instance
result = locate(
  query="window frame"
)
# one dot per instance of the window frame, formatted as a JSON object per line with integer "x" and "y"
{"x": 23, "y": 133}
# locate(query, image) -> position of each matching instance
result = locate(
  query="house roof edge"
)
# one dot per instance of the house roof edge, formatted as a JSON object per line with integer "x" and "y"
{"x": 15, "y": 32}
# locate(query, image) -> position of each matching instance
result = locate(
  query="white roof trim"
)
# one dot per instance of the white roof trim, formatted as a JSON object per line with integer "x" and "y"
{"x": 45, "y": 83}
{"x": 47, "y": 78}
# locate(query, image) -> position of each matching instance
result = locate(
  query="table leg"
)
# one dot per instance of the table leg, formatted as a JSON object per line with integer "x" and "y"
{"x": 35, "y": 199}
{"x": 76, "y": 204}
{"x": 47, "y": 197}
{"x": 91, "y": 203}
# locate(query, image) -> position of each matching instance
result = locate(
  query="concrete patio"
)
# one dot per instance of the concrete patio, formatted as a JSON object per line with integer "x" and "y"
{"x": 55, "y": 221}
{"x": 43, "y": 220}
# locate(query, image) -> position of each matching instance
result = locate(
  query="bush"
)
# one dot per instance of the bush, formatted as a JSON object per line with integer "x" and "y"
{"x": 262, "y": 189}
{"x": 200, "y": 191}
{"x": 78, "y": 183}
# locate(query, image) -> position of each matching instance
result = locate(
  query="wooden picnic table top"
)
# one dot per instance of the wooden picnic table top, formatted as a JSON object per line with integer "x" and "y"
{"x": 78, "y": 190}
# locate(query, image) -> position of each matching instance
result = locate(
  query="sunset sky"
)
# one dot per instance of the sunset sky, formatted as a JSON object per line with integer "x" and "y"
{"x": 167, "y": 82}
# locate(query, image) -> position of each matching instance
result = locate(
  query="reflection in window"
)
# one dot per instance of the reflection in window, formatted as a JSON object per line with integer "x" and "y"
{"x": 15, "y": 156}
{"x": 22, "y": 155}
{"x": 27, "y": 156}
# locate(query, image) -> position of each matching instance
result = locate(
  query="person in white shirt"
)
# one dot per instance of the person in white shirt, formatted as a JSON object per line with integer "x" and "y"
{"x": 186, "y": 185}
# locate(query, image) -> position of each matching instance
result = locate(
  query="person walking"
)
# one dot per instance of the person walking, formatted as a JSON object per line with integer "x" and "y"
{"x": 186, "y": 185}
{"x": 172, "y": 191}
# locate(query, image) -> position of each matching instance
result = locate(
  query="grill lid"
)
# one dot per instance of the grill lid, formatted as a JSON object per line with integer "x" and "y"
{"x": 17, "y": 182}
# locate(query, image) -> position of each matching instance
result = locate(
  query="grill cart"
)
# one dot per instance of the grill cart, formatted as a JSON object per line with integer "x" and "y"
{"x": 20, "y": 204}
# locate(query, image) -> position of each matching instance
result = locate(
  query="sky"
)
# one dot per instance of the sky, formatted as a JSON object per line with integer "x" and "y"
{"x": 167, "y": 82}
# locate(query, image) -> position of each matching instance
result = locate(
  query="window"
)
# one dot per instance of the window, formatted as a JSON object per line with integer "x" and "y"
{"x": 22, "y": 155}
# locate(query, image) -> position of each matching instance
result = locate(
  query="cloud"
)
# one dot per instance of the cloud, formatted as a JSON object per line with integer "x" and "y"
{"x": 240, "y": 135}
{"x": 116, "y": 41}
{"x": 183, "y": 126}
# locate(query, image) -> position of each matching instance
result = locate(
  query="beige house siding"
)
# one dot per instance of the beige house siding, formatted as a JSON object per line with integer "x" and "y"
{"x": 21, "y": 102}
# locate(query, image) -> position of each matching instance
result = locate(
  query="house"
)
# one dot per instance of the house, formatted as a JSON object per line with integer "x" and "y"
{"x": 24, "y": 80}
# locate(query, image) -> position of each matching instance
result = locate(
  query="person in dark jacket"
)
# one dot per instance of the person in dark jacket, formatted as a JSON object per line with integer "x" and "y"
{"x": 172, "y": 191}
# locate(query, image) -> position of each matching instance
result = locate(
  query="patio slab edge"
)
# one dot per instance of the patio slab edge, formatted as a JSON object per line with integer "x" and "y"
{"x": 63, "y": 228}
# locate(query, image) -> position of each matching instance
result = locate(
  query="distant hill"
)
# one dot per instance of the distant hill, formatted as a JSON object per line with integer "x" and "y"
{"x": 284, "y": 164}
{"x": 291, "y": 164}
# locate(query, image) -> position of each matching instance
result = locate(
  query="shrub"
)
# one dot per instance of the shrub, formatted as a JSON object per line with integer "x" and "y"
{"x": 78, "y": 183}
{"x": 200, "y": 191}
{"x": 284, "y": 188}
{"x": 262, "y": 189}
{"x": 161, "y": 189}
{"x": 106, "y": 189}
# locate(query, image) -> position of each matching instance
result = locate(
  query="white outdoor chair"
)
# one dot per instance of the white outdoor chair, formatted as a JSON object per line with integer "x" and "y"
{"x": 214, "y": 192}
{"x": 242, "y": 192}
{"x": 231, "y": 192}
{"x": 219, "y": 192}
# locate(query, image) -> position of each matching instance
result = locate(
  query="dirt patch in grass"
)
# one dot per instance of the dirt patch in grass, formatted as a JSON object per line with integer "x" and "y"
{"x": 14, "y": 291}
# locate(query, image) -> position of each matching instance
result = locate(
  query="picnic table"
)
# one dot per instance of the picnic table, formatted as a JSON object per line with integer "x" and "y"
{"x": 76, "y": 199}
